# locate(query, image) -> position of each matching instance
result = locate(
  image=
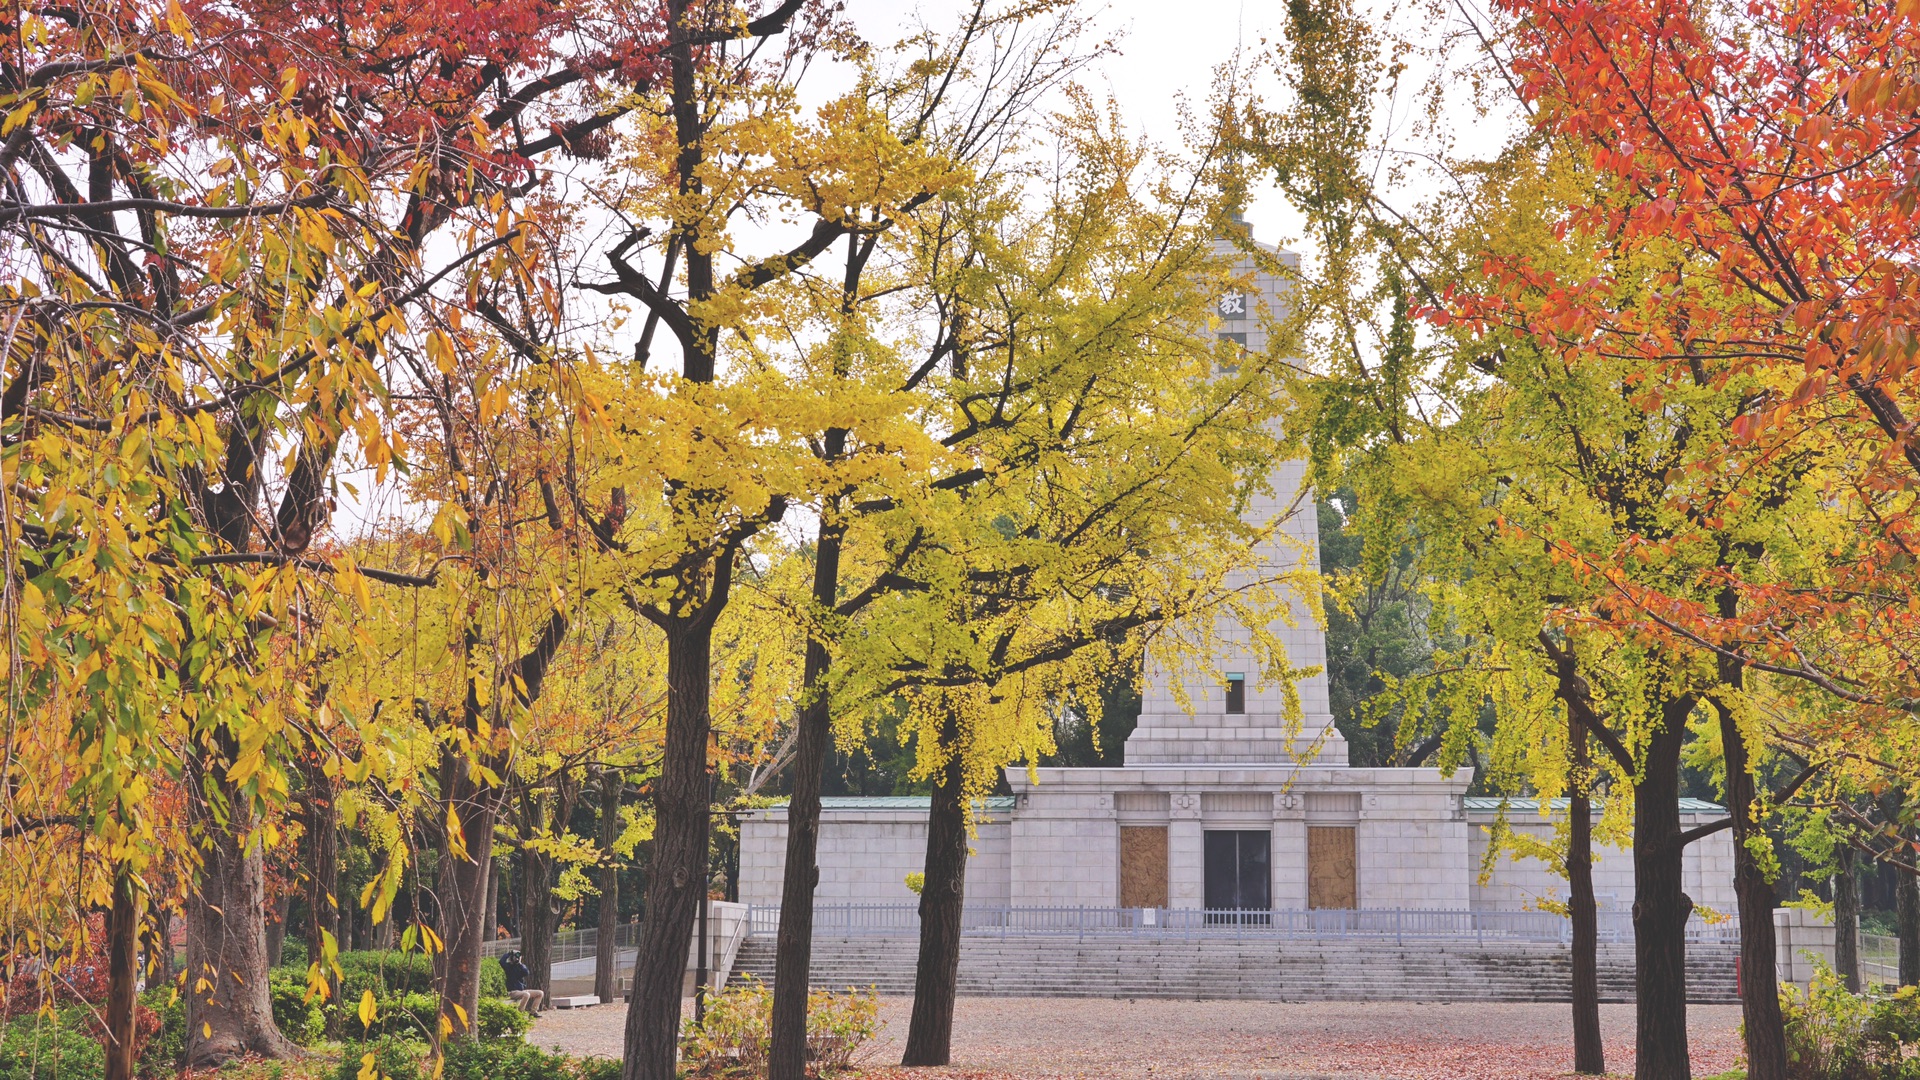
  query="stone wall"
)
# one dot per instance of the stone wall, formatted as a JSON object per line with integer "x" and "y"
{"x": 1706, "y": 868}
{"x": 866, "y": 855}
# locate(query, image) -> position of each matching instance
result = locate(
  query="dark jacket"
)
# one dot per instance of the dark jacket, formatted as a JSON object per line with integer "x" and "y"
{"x": 516, "y": 973}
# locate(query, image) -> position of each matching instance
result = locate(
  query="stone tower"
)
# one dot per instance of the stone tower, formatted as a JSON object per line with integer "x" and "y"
{"x": 1235, "y": 718}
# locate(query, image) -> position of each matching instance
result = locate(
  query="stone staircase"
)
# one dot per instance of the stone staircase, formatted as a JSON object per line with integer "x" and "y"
{"x": 1254, "y": 968}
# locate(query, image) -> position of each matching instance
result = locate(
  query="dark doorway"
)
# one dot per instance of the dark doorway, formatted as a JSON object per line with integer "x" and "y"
{"x": 1238, "y": 870}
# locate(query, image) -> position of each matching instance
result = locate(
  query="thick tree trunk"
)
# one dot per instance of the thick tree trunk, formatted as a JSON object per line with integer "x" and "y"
{"x": 678, "y": 877}
{"x": 1846, "y": 919}
{"x": 1761, "y": 1022}
{"x": 1660, "y": 906}
{"x": 793, "y": 955}
{"x": 229, "y": 1012}
{"x": 942, "y": 897}
{"x": 463, "y": 891}
{"x": 123, "y": 921}
{"x": 605, "y": 984}
{"x": 1589, "y": 1053}
{"x": 1906, "y": 899}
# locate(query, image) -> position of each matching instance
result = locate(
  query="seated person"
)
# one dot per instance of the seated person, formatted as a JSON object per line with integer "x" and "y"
{"x": 517, "y": 992}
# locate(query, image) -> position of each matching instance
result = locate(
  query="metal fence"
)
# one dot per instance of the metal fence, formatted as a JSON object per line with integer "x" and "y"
{"x": 898, "y": 920}
{"x": 1879, "y": 959}
{"x": 570, "y": 944}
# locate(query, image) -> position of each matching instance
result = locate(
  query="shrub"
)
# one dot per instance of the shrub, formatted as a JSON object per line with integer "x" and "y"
{"x": 594, "y": 1068}
{"x": 503, "y": 1059}
{"x": 36, "y": 1047}
{"x": 385, "y": 972}
{"x": 303, "y": 1021}
{"x": 395, "y": 1059}
{"x": 837, "y": 1025}
{"x": 166, "y": 1049}
{"x": 502, "y": 1019}
{"x": 293, "y": 953}
{"x": 493, "y": 979}
{"x": 1835, "y": 1035}
{"x": 736, "y": 1035}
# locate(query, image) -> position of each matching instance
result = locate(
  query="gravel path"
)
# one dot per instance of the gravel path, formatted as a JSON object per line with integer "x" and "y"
{"x": 1084, "y": 1038}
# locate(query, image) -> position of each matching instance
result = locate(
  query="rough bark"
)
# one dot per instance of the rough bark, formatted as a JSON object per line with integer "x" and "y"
{"x": 536, "y": 900}
{"x": 793, "y": 954}
{"x": 1846, "y": 919}
{"x": 492, "y": 913}
{"x": 1660, "y": 905}
{"x": 123, "y": 921}
{"x": 1761, "y": 1022}
{"x": 277, "y": 913}
{"x": 1906, "y": 893}
{"x": 463, "y": 890}
{"x": 942, "y": 896}
{"x": 1589, "y": 1053}
{"x": 605, "y": 983}
{"x": 677, "y": 880}
{"x": 321, "y": 818}
{"x": 229, "y": 1012}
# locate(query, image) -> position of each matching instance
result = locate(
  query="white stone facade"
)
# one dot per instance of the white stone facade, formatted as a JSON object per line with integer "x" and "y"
{"x": 1404, "y": 839}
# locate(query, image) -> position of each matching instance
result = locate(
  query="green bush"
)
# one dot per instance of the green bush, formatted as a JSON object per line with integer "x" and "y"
{"x": 303, "y": 1021}
{"x": 503, "y": 1059}
{"x": 35, "y": 1047}
{"x": 166, "y": 1049}
{"x": 493, "y": 980}
{"x": 293, "y": 953}
{"x": 385, "y": 972}
{"x": 1835, "y": 1035}
{"x": 393, "y": 1058}
{"x": 502, "y": 1019}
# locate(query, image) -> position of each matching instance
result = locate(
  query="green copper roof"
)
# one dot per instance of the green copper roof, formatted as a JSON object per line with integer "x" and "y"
{"x": 898, "y": 802}
{"x": 1491, "y": 803}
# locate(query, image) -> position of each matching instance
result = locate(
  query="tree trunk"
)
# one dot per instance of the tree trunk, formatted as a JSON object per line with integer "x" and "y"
{"x": 229, "y": 1012}
{"x": 122, "y": 939}
{"x": 942, "y": 897}
{"x": 678, "y": 879}
{"x": 793, "y": 955}
{"x": 1589, "y": 1053}
{"x": 321, "y": 818}
{"x": 491, "y": 916}
{"x": 463, "y": 890}
{"x": 1761, "y": 1022}
{"x": 277, "y": 913}
{"x": 1846, "y": 919}
{"x": 1906, "y": 898}
{"x": 1660, "y": 906}
{"x": 605, "y": 984}
{"x": 536, "y": 900}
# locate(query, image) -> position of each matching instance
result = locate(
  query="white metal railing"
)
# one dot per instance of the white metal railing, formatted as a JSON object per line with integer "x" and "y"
{"x": 1879, "y": 959}
{"x": 882, "y": 920}
{"x": 570, "y": 944}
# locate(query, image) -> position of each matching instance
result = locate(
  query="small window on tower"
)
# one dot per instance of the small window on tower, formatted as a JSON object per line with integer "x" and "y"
{"x": 1230, "y": 363}
{"x": 1236, "y": 692}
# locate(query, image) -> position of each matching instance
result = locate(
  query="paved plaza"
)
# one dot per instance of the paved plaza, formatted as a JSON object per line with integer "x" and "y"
{"x": 1060, "y": 1038}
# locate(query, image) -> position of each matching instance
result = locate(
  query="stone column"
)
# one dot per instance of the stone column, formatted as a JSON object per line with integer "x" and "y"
{"x": 1186, "y": 867}
{"x": 1289, "y": 852}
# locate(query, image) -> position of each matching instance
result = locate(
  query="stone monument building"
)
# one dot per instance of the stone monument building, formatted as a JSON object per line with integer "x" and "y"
{"x": 1221, "y": 806}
